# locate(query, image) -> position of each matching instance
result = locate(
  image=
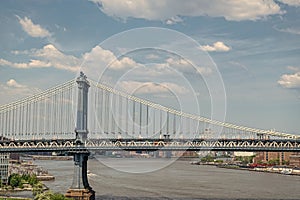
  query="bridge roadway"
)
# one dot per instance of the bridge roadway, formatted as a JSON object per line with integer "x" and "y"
{"x": 71, "y": 145}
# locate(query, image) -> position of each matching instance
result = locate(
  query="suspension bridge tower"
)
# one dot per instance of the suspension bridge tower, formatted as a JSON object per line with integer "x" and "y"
{"x": 80, "y": 188}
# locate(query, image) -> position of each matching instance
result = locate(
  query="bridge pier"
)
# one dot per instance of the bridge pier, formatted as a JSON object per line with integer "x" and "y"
{"x": 80, "y": 189}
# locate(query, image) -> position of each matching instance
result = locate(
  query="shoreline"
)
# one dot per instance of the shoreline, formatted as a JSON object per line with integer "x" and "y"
{"x": 13, "y": 198}
{"x": 274, "y": 169}
{"x": 27, "y": 167}
{"x": 39, "y": 157}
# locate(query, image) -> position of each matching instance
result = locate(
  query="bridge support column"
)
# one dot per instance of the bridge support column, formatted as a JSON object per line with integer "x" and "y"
{"x": 80, "y": 189}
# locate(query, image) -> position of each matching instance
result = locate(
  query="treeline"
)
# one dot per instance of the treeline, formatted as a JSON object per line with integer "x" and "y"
{"x": 38, "y": 189}
{"x": 18, "y": 181}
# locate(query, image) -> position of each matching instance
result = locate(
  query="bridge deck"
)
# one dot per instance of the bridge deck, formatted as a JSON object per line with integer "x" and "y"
{"x": 151, "y": 145}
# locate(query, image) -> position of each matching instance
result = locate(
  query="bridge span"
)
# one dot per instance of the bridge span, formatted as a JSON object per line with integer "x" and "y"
{"x": 280, "y": 145}
{"x": 110, "y": 120}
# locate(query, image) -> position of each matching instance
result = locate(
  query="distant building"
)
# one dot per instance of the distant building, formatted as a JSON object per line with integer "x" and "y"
{"x": 295, "y": 160}
{"x": 4, "y": 162}
{"x": 267, "y": 156}
{"x": 185, "y": 154}
{"x": 243, "y": 154}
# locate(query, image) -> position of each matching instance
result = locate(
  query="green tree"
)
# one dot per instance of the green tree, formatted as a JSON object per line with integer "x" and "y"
{"x": 285, "y": 162}
{"x": 32, "y": 180}
{"x": 37, "y": 189}
{"x": 274, "y": 161}
{"x": 207, "y": 158}
{"x": 49, "y": 195}
{"x": 25, "y": 177}
{"x": 219, "y": 161}
{"x": 14, "y": 180}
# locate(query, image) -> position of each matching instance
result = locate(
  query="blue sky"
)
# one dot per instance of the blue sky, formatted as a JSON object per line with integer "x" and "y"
{"x": 255, "y": 46}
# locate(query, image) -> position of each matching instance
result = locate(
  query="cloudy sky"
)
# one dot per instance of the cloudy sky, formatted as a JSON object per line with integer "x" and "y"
{"x": 193, "y": 50}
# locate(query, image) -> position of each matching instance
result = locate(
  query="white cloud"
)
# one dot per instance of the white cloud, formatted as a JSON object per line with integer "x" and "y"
{"x": 94, "y": 61}
{"x": 217, "y": 46}
{"x": 152, "y": 56}
{"x": 178, "y": 63}
{"x": 290, "y": 81}
{"x": 48, "y": 56}
{"x": 34, "y": 30}
{"x": 184, "y": 65}
{"x": 173, "y": 20}
{"x": 135, "y": 87}
{"x": 291, "y": 2}
{"x": 99, "y": 60}
{"x": 204, "y": 70}
{"x": 172, "y": 66}
{"x": 13, "y": 83}
{"x": 168, "y": 10}
{"x": 292, "y": 68}
{"x": 289, "y": 30}
{"x": 14, "y": 91}
{"x": 18, "y": 52}
{"x": 28, "y": 65}
{"x": 99, "y": 56}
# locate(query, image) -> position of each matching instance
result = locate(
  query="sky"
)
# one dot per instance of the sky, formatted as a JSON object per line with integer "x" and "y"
{"x": 231, "y": 60}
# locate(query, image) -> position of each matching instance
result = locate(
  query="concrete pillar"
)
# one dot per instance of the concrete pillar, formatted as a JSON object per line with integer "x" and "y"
{"x": 82, "y": 108}
{"x": 80, "y": 188}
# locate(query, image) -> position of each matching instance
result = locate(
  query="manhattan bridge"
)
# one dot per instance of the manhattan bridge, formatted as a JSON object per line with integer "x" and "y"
{"x": 106, "y": 119}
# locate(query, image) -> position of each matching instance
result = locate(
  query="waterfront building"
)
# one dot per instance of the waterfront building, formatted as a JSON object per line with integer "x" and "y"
{"x": 243, "y": 154}
{"x": 295, "y": 160}
{"x": 184, "y": 154}
{"x": 4, "y": 162}
{"x": 266, "y": 156}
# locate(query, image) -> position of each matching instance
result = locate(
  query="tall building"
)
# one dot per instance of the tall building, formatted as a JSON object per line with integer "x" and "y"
{"x": 4, "y": 162}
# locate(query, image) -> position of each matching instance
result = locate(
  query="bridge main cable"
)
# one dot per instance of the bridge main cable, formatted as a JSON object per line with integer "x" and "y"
{"x": 39, "y": 96}
{"x": 192, "y": 116}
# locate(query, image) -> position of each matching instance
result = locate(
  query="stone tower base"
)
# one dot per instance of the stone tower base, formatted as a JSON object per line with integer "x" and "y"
{"x": 81, "y": 194}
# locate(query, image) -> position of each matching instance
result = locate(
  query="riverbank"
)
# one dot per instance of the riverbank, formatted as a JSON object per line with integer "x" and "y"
{"x": 39, "y": 157}
{"x": 27, "y": 167}
{"x": 267, "y": 169}
{"x": 13, "y": 198}
{"x": 272, "y": 169}
{"x": 177, "y": 180}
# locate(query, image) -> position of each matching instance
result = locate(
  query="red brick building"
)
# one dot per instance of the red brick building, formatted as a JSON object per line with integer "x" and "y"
{"x": 267, "y": 156}
{"x": 295, "y": 160}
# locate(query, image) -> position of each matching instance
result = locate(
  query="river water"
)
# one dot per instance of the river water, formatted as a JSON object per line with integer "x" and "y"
{"x": 178, "y": 180}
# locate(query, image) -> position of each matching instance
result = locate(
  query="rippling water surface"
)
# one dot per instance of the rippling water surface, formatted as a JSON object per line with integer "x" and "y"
{"x": 178, "y": 180}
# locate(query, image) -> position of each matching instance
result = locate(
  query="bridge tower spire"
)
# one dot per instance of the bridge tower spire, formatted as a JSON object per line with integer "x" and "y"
{"x": 82, "y": 107}
{"x": 80, "y": 188}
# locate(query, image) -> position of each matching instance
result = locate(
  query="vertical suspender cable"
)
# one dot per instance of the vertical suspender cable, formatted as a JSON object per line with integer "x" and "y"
{"x": 9, "y": 123}
{"x": 167, "y": 134}
{"x": 154, "y": 118}
{"x": 160, "y": 121}
{"x": 133, "y": 118}
{"x": 120, "y": 114}
{"x": 141, "y": 119}
{"x": 126, "y": 118}
{"x": 174, "y": 125}
{"x": 13, "y": 123}
{"x": 147, "y": 122}
{"x": 55, "y": 112}
{"x": 61, "y": 103}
